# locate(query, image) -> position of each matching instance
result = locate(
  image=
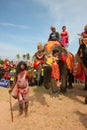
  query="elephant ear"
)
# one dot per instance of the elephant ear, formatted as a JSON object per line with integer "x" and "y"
{"x": 62, "y": 52}
{"x": 58, "y": 48}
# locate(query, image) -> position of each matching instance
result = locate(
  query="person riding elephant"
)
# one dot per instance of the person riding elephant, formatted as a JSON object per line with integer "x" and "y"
{"x": 64, "y": 37}
{"x": 84, "y": 33}
{"x": 54, "y": 36}
{"x": 83, "y": 36}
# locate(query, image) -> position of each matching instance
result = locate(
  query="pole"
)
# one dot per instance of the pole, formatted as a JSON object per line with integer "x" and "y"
{"x": 11, "y": 108}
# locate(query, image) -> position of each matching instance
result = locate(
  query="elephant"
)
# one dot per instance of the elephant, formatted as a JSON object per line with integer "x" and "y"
{"x": 82, "y": 54}
{"x": 65, "y": 62}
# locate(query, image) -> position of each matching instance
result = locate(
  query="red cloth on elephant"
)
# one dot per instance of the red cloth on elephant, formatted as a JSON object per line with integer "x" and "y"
{"x": 55, "y": 71}
{"x": 79, "y": 69}
{"x": 82, "y": 78}
{"x": 63, "y": 58}
{"x": 79, "y": 73}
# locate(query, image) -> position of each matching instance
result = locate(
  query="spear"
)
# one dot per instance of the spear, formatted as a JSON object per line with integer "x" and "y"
{"x": 11, "y": 107}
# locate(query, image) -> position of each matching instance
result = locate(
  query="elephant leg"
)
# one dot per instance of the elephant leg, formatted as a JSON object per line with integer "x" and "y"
{"x": 54, "y": 86}
{"x": 85, "y": 100}
{"x": 63, "y": 84}
{"x": 85, "y": 88}
{"x": 47, "y": 77}
{"x": 70, "y": 80}
{"x": 64, "y": 73}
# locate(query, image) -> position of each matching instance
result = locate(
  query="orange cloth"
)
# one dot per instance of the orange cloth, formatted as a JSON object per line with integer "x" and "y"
{"x": 78, "y": 71}
{"x": 55, "y": 71}
{"x": 70, "y": 62}
{"x": 50, "y": 44}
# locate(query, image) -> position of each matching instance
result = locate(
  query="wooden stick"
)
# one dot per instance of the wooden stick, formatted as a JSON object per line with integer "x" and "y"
{"x": 11, "y": 108}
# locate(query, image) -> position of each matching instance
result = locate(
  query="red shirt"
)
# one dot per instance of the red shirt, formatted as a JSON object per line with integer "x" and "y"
{"x": 84, "y": 34}
{"x": 7, "y": 76}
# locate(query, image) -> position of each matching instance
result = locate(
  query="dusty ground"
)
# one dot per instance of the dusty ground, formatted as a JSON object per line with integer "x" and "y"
{"x": 46, "y": 112}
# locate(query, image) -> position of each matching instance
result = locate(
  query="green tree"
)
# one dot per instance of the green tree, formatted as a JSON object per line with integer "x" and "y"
{"x": 18, "y": 56}
{"x": 24, "y": 56}
{"x": 28, "y": 56}
{"x": 1, "y": 61}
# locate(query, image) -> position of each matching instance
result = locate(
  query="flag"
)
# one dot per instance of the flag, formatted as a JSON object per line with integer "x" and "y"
{"x": 4, "y": 83}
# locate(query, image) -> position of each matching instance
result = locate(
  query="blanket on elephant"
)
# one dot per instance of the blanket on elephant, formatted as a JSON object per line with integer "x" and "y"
{"x": 50, "y": 45}
{"x": 55, "y": 71}
{"x": 79, "y": 69}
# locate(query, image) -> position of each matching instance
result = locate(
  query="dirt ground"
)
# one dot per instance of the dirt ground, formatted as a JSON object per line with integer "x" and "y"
{"x": 46, "y": 111}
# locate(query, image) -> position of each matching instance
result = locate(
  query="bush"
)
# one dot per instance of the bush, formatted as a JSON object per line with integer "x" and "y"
{"x": 1, "y": 62}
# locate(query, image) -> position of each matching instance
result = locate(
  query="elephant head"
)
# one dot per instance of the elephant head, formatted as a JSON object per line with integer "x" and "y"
{"x": 62, "y": 53}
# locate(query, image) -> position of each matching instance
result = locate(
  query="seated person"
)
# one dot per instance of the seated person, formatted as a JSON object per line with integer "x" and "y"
{"x": 39, "y": 55}
{"x": 38, "y": 58}
{"x": 64, "y": 37}
{"x": 54, "y": 36}
{"x": 83, "y": 35}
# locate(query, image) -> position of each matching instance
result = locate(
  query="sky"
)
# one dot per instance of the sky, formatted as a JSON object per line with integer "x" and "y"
{"x": 25, "y": 23}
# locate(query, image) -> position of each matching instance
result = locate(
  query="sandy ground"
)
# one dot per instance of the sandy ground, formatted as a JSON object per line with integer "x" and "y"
{"x": 46, "y": 111}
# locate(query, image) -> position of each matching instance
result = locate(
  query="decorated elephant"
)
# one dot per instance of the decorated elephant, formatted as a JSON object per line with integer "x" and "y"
{"x": 65, "y": 62}
{"x": 81, "y": 57}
